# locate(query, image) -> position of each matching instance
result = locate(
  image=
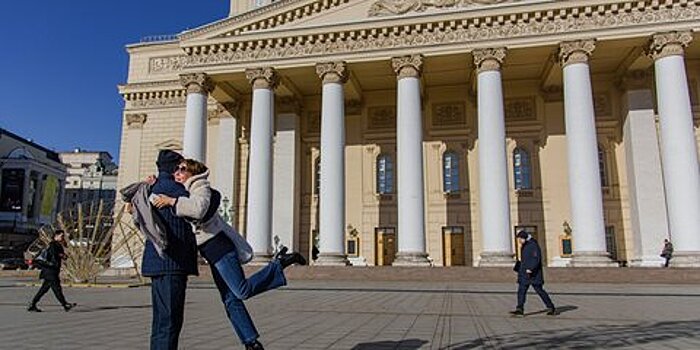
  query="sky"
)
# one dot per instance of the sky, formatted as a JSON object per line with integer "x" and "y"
{"x": 61, "y": 62}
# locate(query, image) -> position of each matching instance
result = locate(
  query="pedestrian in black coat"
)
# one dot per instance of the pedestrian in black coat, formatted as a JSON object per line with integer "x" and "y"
{"x": 530, "y": 273}
{"x": 50, "y": 273}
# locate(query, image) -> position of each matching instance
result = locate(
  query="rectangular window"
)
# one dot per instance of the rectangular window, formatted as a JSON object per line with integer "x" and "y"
{"x": 12, "y": 192}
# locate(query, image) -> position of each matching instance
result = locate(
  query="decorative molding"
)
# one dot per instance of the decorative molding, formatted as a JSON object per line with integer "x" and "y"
{"x": 668, "y": 44}
{"x": 578, "y": 51}
{"x": 602, "y": 105}
{"x": 166, "y": 64}
{"x": 520, "y": 109}
{"x": 473, "y": 28}
{"x": 332, "y": 72}
{"x": 448, "y": 115}
{"x": 489, "y": 59}
{"x": 410, "y": 66}
{"x": 399, "y": 7}
{"x": 197, "y": 83}
{"x": 136, "y": 120}
{"x": 262, "y": 78}
{"x": 154, "y": 99}
{"x": 381, "y": 118}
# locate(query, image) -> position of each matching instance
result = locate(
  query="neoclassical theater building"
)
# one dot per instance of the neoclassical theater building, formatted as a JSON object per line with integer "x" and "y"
{"x": 427, "y": 132}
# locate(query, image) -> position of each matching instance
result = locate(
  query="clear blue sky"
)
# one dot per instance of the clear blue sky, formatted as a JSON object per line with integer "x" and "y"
{"x": 61, "y": 61}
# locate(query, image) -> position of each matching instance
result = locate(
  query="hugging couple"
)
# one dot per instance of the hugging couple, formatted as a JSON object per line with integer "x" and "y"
{"x": 177, "y": 211}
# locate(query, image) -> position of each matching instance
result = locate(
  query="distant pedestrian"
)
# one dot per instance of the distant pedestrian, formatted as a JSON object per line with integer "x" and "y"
{"x": 530, "y": 273}
{"x": 50, "y": 266}
{"x": 667, "y": 252}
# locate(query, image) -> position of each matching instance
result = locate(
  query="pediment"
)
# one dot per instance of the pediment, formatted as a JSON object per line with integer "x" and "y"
{"x": 302, "y": 14}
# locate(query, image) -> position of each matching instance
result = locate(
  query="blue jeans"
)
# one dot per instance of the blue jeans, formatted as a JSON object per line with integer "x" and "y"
{"x": 234, "y": 288}
{"x": 522, "y": 294}
{"x": 168, "y": 299}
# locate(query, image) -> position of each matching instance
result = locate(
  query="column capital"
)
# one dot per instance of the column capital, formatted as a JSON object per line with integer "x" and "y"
{"x": 410, "y": 66}
{"x": 332, "y": 72}
{"x": 199, "y": 83}
{"x": 668, "y": 44}
{"x": 262, "y": 78}
{"x": 489, "y": 59}
{"x": 575, "y": 51}
{"x": 136, "y": 120}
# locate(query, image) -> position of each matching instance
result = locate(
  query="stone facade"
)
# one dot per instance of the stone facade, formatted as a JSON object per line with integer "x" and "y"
{"x": 541, "y": 54}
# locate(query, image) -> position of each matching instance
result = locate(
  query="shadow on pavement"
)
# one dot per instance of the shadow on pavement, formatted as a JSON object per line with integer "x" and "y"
{"x": 109, "y": 307}
{"x": 406, "y": 344}
{"x": 592, "y": 337}
{"x": 560, "y": 310}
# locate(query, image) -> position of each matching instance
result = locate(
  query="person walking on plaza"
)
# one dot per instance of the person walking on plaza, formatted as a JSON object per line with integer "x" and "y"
{"x": 168, "y": 261}
{"x": 530, "y": 273}
{"x": 667, "y": 252}
{"x": 50, "y": 264}
{"x": 225, "y": 250}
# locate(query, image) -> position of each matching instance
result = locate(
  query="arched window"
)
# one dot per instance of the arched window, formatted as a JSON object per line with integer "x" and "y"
{"x": 521, "y": 169}
{"x": 602, "y": 167}
{"x": 317, "y": 176}
{"x": 450, "y": 172}
{"x": 385, "y": 174}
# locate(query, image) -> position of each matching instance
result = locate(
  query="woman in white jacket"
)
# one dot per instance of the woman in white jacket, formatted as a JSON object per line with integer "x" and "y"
{"x": 225, "y": 250}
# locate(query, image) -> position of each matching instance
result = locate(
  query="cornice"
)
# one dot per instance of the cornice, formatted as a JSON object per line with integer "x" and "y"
{"x": 473, "y": 29}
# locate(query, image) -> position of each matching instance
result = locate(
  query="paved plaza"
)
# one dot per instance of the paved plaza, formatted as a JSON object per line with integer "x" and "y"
{"x": 369, "y": 315}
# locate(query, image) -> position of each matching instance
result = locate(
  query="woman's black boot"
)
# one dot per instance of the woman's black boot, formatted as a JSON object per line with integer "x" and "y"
{"x": 254, "y": 346}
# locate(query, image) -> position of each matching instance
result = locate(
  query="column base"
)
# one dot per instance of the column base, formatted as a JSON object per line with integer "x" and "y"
{"x": 412, "y": 260}
{"x": 331, "y": 259}
{"x": 685, "y": 259}
{"x": 260, "y": 259}
{"x": 498, "y": 259}
{"x": 592, "y": 259}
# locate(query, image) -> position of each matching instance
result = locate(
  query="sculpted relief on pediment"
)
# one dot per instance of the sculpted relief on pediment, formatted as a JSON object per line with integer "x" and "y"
{"x": 398, "y": 7}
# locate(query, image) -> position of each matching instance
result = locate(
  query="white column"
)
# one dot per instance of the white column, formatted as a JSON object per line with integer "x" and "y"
{"x": 644, "y": 180}
{"x": 332, "y": 196}
{"x": 679, "y": 154}
{"x": 259, "y": 211}
{"x": 409, "y": 146}
{"x": 227, "y": 153}
{"x": 194, "y": 142}
{"x": 493, "y": 165}
{"x": 582, "y": 147}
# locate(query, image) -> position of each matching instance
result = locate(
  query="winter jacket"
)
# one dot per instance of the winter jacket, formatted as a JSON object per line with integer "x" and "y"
{"x": 196, "y": 206}
{"x": 181, "y": 253}
{"x": 54, "y": 256}
{"x": 530, "y": 259}
{"x": 150, "y": 225}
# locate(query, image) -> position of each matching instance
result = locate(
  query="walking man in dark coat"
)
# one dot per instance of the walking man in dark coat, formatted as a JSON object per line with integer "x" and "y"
{"x": 50, "y": 273}
{"x": 169, "y": 272}
{"x": 530, "y": 273}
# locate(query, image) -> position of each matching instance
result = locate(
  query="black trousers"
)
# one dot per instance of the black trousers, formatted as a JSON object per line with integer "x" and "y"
{"x": 168, "y": 298}
{"x": 55, "y": 286}
{"x": 522, "y": 295}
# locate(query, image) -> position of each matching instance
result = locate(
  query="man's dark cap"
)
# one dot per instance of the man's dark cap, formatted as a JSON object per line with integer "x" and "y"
{"x": 521, "y": 234}
{"x": 168, "y": 161}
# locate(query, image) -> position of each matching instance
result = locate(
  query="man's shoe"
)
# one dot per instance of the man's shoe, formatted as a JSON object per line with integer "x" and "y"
{"x": 254, "y": 346}
{"x": 287, "y": 260}
{"x": 33, "y": 308}
{"x": 68, "y": 306}
{"x": 518, "y": 312}
{"x": 552, "y": 312}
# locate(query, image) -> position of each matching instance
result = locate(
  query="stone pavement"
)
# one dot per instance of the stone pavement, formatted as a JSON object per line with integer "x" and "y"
{"x": 368, "y": 316}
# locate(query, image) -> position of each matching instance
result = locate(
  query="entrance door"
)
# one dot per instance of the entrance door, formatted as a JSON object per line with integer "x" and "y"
{"x": 453, "y": 246}
{"x": 385, "y": 245}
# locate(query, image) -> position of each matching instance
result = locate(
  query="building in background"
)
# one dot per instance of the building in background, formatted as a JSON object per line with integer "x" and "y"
{"x": 31, "y": 191}
{"x": 92, "y": 176}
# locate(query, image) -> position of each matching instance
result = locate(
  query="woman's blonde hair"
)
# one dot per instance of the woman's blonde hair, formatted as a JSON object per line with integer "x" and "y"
{"x": 194, "y": 167}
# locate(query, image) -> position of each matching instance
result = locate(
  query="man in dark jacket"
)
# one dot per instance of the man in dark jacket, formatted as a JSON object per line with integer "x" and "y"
{"x": 50, "y": 271}
{"x": 530, "y": 273}
{"x": 169, "y": 273}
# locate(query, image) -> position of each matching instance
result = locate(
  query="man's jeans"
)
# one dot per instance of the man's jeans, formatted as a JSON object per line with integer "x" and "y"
{"x": 234, "y": 288}
{"x": 522, "y": 294}
{"x": 168, "y": 298}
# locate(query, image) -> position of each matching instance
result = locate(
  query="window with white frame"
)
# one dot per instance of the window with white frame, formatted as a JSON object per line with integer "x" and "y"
{"x": 385, "y": 174}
